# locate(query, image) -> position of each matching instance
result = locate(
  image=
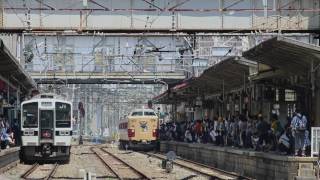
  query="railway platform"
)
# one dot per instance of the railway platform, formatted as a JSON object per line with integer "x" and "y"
{"x": 259, "y": 165}
{"x": 9, "y": 158}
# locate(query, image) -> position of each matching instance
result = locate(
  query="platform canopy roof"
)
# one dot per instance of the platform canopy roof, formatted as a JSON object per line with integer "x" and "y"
{"x": 278, "y": 57}
{"x": 288, "y": 55}
{"x": 11, "y": 70}
{"x": 227, "y": 75}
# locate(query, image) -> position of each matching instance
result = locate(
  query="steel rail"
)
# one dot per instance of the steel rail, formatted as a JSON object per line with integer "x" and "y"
{"x": 140, "y": 173}
{"x": 216, "y": 170}
{"x": 52, "y": 172}
{"x": 105, "y": 163}
{"x": 34, "y": 167}
{"x": 29, "y": 171}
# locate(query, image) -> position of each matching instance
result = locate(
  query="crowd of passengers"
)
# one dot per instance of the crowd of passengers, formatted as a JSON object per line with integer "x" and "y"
{"x": 8, "y": 133}
{"x": 251, "y": 132}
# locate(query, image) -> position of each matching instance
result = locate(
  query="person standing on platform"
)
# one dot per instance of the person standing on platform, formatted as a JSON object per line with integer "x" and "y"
{"x": 262, "y": 128}
{"x": 234, "y": 131}
{"x": 249, "y": 132}
{"x": 307, "y": 144}
{"x": 284, "y": 143}
{"x": 226, "y": 133}
{"x": 242, "y": 130}
{"x": 199, "y": 131}
{"x": 220, "y": 132}
{"x": 299, "y": 126}
{"x": 188, "y": 136}
{"x": 16, "y": 132}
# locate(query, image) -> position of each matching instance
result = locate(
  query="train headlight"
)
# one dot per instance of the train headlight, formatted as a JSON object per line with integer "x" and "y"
{"x": 155, "y": 133}
{"x": 30, "y": 133}
{"x": 63, "y": 133}
{"x": 131, "y": 133}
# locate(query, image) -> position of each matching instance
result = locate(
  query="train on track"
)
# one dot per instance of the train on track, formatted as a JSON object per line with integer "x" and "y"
{"x": 139, "y": 129}
{"x": 46, "y": 128}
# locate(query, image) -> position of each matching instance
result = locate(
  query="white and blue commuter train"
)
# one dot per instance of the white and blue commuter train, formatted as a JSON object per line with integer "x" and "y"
{"x": 46, "y": 128}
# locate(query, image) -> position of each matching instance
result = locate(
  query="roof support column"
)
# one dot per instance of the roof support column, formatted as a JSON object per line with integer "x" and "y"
{"x": 16, "y": 114}
{"x": 315, "y": 100}
{"x": 313, "y": 76}
{"x": 221, "y": 5}
{"x": 223, "y": 94}
{"x": 8, "y": 94}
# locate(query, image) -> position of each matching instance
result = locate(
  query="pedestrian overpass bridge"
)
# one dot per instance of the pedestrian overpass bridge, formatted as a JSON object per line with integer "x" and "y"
{"x": 107, "y": 77}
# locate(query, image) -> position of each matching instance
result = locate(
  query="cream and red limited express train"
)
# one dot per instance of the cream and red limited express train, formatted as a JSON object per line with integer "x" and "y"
{"x": 139, "y": 129}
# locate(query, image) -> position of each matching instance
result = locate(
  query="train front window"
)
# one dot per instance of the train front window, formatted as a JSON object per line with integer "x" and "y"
{"x": 46, "y": 118}
{"x": 137, "y": 113}
{"x": 63, "y": 115}
{"x": 149, "y": 113}
{"x": 30, "y": 115}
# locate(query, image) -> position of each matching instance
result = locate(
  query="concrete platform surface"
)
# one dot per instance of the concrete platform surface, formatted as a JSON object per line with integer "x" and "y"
{"x": 9, "y": 156}
{"x": 259, "y": 165}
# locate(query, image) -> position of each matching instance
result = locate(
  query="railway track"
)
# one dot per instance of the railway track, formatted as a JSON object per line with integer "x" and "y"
{"x": 212, "y": 172}
{"x": 120, "y": 168}
{"x": 36, "y": 167}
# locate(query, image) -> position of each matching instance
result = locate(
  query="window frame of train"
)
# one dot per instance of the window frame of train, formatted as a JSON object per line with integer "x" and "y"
{"x": 35, "y": 115}
{"x": 315, "y": 141}
{"x": 67, "y": 109}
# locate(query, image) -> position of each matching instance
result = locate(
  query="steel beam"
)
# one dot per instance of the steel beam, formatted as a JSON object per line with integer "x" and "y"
{"x": 152, "y": 4}
{"x": 177, "y": 5}
{"x": 233, "y": 4}
{"x": 104, "y": 7}
{"x": 167, "y": 10}
{"x": 45, "y": 4}
{"x": 106, "y": 78}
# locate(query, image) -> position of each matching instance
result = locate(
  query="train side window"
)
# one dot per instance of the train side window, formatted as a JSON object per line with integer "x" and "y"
{"x": 30, "y": 115}
{"x": 63, "y": 115}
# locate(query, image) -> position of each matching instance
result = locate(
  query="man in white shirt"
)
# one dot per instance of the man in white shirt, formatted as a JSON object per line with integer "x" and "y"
{"x": 298, "y": 127}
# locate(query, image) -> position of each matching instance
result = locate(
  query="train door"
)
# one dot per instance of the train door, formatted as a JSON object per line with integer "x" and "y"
{"x": 46, "y": 125}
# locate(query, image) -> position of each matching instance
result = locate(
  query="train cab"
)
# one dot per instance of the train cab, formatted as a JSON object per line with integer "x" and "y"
{"x": 139, "y": 129}
{"x": 46, "y": 128}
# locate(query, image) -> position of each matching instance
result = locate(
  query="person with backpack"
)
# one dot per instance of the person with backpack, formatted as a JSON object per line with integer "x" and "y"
{"x": 284, "y": 143}
{"x": 299, "y": 126}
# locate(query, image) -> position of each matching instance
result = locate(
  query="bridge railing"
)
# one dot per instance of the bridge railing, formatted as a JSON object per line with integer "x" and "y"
{"x": 117, "y": 68}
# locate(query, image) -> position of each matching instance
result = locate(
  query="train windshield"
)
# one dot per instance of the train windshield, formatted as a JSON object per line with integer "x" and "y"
{"x": 137, "y": 113}
{"x": 63, "y": 115}
{"x": 30, "y": 115}
{"x": 46, "y": 119}
{"x": 143, "y": 113}
{"x": 149, "y": 113}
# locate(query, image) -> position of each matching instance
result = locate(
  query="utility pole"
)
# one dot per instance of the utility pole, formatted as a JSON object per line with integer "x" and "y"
{"x": 87, "y": 112}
